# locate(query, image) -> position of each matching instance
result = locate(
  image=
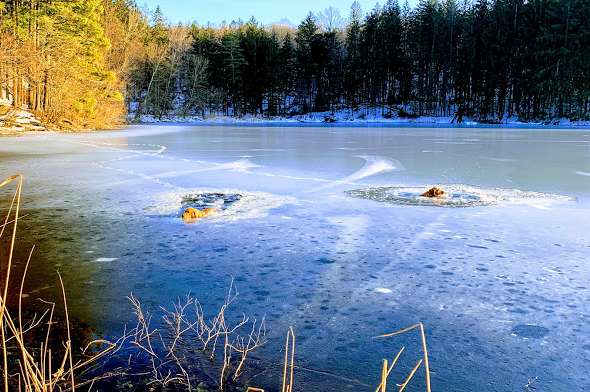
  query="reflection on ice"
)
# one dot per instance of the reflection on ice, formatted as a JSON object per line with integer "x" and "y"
{"x": 457, "y": 195}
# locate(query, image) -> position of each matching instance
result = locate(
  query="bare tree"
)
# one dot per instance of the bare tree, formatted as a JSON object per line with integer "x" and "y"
{"x": 330, "y": 19}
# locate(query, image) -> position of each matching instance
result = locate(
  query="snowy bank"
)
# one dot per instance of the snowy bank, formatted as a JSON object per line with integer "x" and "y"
{"x": 354, "y": 117}
{"x": 14, "y": 121}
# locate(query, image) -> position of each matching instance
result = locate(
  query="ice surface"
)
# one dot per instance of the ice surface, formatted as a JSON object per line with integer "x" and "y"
{"x": 502, "y": 288}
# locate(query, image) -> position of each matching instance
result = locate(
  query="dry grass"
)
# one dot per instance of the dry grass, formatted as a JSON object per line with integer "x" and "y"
{"x": 289, "y": 364}
{"x": 289, "y": 361}
{"x": 420, "y": 328}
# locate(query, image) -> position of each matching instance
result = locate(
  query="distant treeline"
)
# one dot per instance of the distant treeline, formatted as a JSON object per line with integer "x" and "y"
{"x": 486, "y": 59}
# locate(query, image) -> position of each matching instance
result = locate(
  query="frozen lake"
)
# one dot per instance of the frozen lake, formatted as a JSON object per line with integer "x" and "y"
{"x": 503, "y": 286}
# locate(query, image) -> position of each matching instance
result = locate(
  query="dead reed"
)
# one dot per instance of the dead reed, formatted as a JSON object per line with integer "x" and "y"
{"x": 289, "y": 363}
{"x": 186, "y": 329}
{"x": 424, "y": 360}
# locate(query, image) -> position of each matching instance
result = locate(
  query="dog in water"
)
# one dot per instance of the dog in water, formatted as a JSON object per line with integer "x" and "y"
{"x": 191, "y": 215}
{"x": 434, "y": 192}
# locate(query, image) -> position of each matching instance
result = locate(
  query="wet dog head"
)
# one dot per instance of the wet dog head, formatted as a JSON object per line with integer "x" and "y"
{"x": 191, "y": 215}
{"x": 434, "y": 192}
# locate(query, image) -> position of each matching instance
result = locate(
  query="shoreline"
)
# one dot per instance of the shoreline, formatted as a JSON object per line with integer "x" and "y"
{"x": 319, "y": 119}
{"x": 312, "y": 120}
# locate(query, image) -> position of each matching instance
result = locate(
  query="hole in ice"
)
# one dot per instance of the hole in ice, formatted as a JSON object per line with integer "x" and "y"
{"x": 200, "y": 201}
{"x": 228, "y": 204}
{"x": 456, "y": 195}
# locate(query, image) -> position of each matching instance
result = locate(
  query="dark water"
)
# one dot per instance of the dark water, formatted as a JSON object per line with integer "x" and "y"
{"x": 501, "y": 287}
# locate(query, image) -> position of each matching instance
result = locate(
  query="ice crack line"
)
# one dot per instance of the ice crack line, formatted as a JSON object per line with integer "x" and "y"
{"x": 372, "y": 166}
{"x": 157, "y": 148}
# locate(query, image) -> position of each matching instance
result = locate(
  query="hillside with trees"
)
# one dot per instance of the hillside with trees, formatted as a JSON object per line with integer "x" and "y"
{"x": 53, "y": 61}
{"x": 87, "y": 62}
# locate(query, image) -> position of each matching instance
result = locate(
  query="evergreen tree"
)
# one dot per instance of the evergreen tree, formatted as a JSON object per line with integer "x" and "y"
{"x": 353, "y": 67}
{"x": 233, "y": 60}
{"x": 286, "y": 73}
{"x": 390, "y": 33}
{"x": 305, "y": 62}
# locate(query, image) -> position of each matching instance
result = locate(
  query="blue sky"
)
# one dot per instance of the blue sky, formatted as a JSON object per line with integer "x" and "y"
{"x": 265, "y": 11}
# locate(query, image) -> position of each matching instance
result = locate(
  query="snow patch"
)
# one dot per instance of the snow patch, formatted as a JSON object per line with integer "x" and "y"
{"x": 383, "y": 290}
{"x": 362, "y": 115}
{"x": 105, "y": 259}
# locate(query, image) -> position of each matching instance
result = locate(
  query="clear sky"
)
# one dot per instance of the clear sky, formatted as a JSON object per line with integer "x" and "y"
{"x": 265, "y": 11}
